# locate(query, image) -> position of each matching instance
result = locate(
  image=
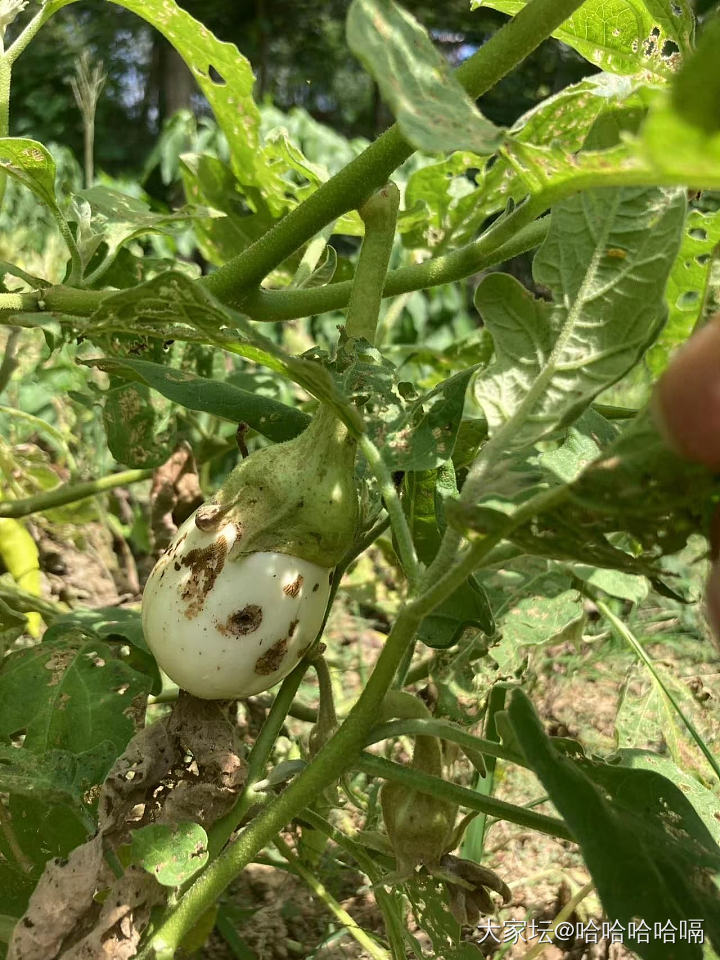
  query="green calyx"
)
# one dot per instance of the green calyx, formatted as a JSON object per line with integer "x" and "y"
{"x": 420, "y": 827}
{"x": 297, "y": 497}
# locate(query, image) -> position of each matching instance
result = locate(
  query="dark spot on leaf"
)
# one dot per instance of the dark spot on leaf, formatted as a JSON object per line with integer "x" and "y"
{"x": 242, "y": 622}
{"x": 270, "y": 661}
{"x": 293, "y": 589}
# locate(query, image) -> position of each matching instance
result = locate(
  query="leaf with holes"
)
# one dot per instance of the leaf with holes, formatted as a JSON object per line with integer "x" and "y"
{"x": 606, "y": 260}
{"x": 623, "y": 36}
{"x": 274, "y": 420}
{"x": 172, "y": 854}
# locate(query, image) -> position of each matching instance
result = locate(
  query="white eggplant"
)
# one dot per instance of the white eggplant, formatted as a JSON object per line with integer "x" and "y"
{"x": 224, "y": 628}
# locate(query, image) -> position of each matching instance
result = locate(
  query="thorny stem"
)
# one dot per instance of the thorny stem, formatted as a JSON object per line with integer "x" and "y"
{"x": 70, "y": 493}
{"x": 5, "y": 79}
{"x": 320, "y": 891}
{"x": 379, "y": 214}
{"x": 351, "y": 186}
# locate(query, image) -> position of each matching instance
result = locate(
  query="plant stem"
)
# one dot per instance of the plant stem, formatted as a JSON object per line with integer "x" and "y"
{"x": 415, "y": 779}
{"x": 398, "y": 520}
{"x": 70, "y": 493}
{"x": 271, "y": 305}
{"x": 9, "y": 360}
{"x": 379, "y": 214}
{"x": 320, "y": 891}
{"x": 351, "y": 186}
{"x": 5, "y": 79}
{"x": 446, "y": 731}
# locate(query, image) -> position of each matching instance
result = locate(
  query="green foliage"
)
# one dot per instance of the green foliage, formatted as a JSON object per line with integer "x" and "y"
{"x": 526, "y": 491}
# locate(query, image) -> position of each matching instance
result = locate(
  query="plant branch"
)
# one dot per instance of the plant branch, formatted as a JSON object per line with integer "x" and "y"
{"x": 271, "y": 305}
{"x": 223, "y": 829}
{"x": 426, "y": 783}
{"x": 446, "y": 731}
{"x": 70, "y": 493}
{"x": 351, "y": 186}
{"x": 379, "y": 214}
{"x": 9, "y": 360}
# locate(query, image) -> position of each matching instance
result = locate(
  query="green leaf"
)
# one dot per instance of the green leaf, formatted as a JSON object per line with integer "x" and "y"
{"x": 73, "y": 692}
{"x": 606, "y": 260}
{"x": 564, "y": 120}
{"x": 226, "y": 79}
{"x": 637, "y": 487}
{"x": 613, "y": 582}
{"x": 623, "y": 36}
{"x": 274, "y": 420}
{"x": 207, "y": 180}
{"x": 432, "y": 109}
{"x": 12, "y": 625}
{"x": 535, "y": 621}
{"x": 649, "y": 853}
{"x": 172, "y": 854}
{"x": 56, "y": 776}
{"x": 696, "y": 88}
{"x": 31, "y": 164}
{"x": 467, "y": 607}
{"x": 704, "y": 801}
{"x": 688, "y": 285}
{"x": 131, "y": 425}
{"x": 424, "y": 434}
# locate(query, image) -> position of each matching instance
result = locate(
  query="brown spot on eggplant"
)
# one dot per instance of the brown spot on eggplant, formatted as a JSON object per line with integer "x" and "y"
{"x": 270, "y": 661}
{"x": 293, "y": 589}
{"x": 177, "y": 565}
{"x": 292, "y": 628}
{"x": 316, "y": 587}
{"x": 242, "y": 622}
{"x": 205, "y": 564}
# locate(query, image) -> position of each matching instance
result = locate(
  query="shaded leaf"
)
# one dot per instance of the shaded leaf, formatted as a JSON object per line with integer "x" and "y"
{"x": 133, "y": 433}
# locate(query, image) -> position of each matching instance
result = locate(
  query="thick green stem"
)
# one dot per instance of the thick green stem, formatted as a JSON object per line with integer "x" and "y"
{"x": 425, "y": 783}
{"x": 349, "y": 188}
{"x": 70, "y": 493}
{"x": 271, "y": 305}
{"x": 379, "y": 214}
